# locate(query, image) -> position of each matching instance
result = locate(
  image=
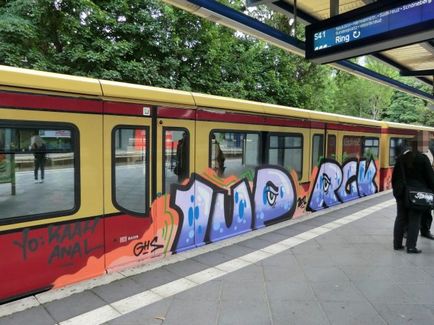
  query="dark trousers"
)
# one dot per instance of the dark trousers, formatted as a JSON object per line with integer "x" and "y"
{"x": 39, "y": 164}
{"x": 406, "y": 219}
{"x": 425, "y": 222}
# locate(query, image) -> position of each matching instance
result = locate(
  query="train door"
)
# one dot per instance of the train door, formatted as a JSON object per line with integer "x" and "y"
{"x": 317, "y": 150}
{"x": 175, "y": 207}
{"x": 129, "y": 229}
{"x": 325, "y": 171}
{"x": 332, "y": 171}
{"x": 331, "y": 144}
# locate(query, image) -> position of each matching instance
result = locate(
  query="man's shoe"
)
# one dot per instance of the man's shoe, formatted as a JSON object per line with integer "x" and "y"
{"x": 427, "y": 235}
{"x": 413, "y": 250}
{"x": 398, "y": 248}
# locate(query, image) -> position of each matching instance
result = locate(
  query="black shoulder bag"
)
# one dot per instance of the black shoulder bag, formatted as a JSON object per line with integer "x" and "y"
{"x": 415, "y": 198}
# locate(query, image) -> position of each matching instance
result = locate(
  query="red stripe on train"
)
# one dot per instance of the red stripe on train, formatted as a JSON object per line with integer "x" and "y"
{"x": 127, "y": 109}
{"x": 354, "y": 128}
{"x": 399, "y": 131}
{"x": 171, "y": 112}
{"x": 275, "y": 121}
{"x": 28, "y": 101}
{"x": 229, "y": 117}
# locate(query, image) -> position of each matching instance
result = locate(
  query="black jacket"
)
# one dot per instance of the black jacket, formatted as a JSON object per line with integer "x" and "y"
{"x": 39, "y": 152}
{"x": 418, "y": 173}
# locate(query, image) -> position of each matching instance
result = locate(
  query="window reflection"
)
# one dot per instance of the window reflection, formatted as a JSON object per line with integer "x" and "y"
{"x": 331, "y": 146}
{"x": 395, "y": 148}
{"x": 360, "y": 147}
{"x": 37, "y": 170}
{"x": 176, "y": 157}
{"x": 233, "y": 152}
{"x": 130, "y": 160}
{"x": 286, "y": 151}
{"x": 351, "y": 147}
{"x": 317, "y": 149}
{"x": 371, "y": 148}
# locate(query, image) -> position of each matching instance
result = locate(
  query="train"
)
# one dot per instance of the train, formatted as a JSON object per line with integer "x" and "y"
{"x": 133, "y": 174}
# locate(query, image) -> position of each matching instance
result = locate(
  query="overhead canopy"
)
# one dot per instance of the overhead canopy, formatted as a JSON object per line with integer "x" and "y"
{"x": 308, "y": 12}
{"x": 414, "y": 57}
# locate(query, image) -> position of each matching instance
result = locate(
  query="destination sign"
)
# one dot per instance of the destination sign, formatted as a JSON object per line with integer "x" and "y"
{"x": 347, "y": 33}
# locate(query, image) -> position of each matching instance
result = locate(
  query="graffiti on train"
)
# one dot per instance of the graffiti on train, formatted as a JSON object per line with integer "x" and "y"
{"x": 208, "y": 212}
{"x": 147, "y": 246}
{"x": 61, "y": 241}
{"x": 335, "y": 184}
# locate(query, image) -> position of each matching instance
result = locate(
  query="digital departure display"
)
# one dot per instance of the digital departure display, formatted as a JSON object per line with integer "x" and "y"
{"x": 360, "y": 29}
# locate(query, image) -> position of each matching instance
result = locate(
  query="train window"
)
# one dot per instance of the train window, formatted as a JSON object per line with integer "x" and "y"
{"x": 130, "y": 178}
{"x": 317, "y": 149}
{"x": 431, "y": 145}
{"x": 286, "y": 151}
{"x": 176, "y": 145}
{"x": 371, "y": 148}
{"x": 351, "y": 147}
{"x": 331, "y": 146}
{"x": 38, "y": 170}
{"x": 394, "y": 151}
{"x": 232, "y": 152}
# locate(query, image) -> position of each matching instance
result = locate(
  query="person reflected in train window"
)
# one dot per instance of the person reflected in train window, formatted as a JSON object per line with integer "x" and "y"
{"x": 412, "y": 168}
{"x": 2, "y": 145}
{"x": 2, "y": 149}
{"x": 181, "y": 168}
{"x": 426, "y": 220}
{"x": 39, "y": 150}
{"x": 219, "y": 157}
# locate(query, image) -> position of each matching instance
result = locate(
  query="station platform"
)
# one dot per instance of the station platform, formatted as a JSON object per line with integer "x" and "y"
{"x": 336, "y": 266}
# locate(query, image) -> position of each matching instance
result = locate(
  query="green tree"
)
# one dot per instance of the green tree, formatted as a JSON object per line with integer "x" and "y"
{"x": 361, "y": 97}
{"x": 151, "y": 43}
{"x": 118, "y": 40}
{"x": 405, "y": 109}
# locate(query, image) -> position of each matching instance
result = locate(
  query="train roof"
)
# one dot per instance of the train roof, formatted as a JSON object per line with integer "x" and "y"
{"x": 407, "y": 126}
{"x": 153, "y": 94}
{"x": 55, "y": 82}
{"x": 48, "y": 81}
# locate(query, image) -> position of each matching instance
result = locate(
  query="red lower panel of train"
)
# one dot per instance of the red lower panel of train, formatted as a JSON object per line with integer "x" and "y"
{"x": 41, "y": 258}
{"x": 386, "y": 179}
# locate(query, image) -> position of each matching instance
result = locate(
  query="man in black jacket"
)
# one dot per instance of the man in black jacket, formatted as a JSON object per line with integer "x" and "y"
{"x": 419, "y": 175}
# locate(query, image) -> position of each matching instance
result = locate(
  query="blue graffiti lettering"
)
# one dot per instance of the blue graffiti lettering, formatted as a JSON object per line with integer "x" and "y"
{"x": 348, "y": 191}
{"x": 195, "y": 203}
{"x": 366, "y": 178}
{"x": 328, "y": 180}
{"x": 274, "y": 194}
{"x": 208, "y": 213}
{"x": 335, "y": 184}
{"x": 227, "y": 222}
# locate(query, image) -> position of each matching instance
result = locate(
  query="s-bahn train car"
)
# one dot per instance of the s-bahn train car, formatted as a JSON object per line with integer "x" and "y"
{"x": 393, "y": 135}
{"x": 97, "y": 175}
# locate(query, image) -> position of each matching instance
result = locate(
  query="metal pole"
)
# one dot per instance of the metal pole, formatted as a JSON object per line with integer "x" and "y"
{"x": 13, "y": 182}
{"x": 334, "y": 8}
{"x": 294, "y": 25}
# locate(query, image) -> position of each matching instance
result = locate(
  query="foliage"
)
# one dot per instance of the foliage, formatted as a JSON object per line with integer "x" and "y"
{"x": 407, "y": 109}
{"x": 359, "y": 97}
{"x": 149, "y": 42}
